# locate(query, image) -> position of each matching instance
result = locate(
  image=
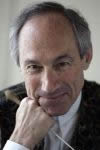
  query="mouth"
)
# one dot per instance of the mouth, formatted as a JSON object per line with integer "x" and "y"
{"x": 55, "y": 105}
{"x": 53, "y": 100}
{"x": 54, "y": 97}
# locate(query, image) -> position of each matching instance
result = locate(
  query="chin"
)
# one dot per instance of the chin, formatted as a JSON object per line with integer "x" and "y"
{"x": 55, "y": 113}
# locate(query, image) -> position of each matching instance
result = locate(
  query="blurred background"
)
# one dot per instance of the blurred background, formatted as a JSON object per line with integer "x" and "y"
{"x": 9, "y": 72}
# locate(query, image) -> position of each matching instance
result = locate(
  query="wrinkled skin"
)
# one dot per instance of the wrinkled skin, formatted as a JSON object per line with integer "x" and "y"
{"x": 29, "y": 128}
{"x": 50, "y": 61}
{"x": 53, "y": 74}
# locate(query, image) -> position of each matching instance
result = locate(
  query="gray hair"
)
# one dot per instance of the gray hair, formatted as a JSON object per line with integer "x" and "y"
{"x": 79, "y": 25}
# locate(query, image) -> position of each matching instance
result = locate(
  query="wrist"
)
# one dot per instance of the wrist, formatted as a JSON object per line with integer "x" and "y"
{"x": 20, "y": 138}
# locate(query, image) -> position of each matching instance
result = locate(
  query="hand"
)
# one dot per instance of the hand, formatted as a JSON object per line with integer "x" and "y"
{"x": 32, "y": 124}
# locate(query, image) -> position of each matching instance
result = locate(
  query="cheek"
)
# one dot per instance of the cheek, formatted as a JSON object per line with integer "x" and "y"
{"x": 31, "y": 84}
{"x": 73, "y": 74}
{"x": 75, "y": 78}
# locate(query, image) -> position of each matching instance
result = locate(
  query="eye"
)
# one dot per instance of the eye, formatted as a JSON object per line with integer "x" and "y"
{"x": 62, "y": 65}
{"x": 33, "y": 68}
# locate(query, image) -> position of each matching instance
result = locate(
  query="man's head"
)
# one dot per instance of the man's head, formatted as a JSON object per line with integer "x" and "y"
{"x": 52, "y": 45}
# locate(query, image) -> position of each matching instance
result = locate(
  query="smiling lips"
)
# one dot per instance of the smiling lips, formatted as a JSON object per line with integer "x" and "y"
{"x": 56, "y": 97}
{"x": 53, "y": 100}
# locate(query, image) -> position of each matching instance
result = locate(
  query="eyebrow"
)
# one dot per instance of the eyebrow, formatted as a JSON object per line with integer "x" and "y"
{"x": 59, "y": 58}
{"x": 65, "y": 56}
{"x": 29, "y": 61}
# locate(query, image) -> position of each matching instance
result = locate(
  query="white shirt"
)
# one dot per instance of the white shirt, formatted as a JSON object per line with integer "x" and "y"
{"x": 64, "y": 128}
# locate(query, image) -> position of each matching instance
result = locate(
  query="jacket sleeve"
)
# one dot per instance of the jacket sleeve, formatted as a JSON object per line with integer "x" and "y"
{"x": 9, "y": 100}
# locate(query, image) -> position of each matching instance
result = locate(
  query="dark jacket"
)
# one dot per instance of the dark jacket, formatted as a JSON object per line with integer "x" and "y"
{"x": 87, "y": 131}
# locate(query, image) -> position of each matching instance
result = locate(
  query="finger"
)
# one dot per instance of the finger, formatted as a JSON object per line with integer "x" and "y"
{"x": 28, "y": 100}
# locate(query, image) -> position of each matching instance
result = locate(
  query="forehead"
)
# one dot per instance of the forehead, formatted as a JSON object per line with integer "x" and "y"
{"x": 47, "y": 26}
{"x": 49, "y": 32}
{"x": 51, "y": 21}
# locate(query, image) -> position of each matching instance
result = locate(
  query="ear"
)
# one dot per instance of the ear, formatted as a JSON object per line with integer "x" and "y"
{"x": 86, "y": 60}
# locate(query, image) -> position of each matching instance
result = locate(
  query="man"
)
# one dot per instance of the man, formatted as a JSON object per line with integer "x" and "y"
{"x": 52, "y": 46}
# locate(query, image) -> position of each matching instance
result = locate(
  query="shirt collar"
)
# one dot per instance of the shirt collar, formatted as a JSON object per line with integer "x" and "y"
{"x": 72, "y": 111}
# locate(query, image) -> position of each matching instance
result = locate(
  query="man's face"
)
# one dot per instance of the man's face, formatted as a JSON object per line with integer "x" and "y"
{"x": 50, "y": 62}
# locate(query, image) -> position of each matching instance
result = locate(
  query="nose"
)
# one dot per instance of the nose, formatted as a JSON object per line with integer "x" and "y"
{"x": 49, "y": 80}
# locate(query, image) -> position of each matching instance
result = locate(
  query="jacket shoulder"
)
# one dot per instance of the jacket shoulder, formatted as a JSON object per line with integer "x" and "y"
{"x": 9, "y": 101}
{"x": 13, "y": 93}
{"x": 87, "y": 130}
{"x": 91, "y": 92}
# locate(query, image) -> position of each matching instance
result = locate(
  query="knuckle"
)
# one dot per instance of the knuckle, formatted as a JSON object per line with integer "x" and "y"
{"x": 32, "y": 103}
{"x": 39, "y": 109}
{"x": 24, "y": 100}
